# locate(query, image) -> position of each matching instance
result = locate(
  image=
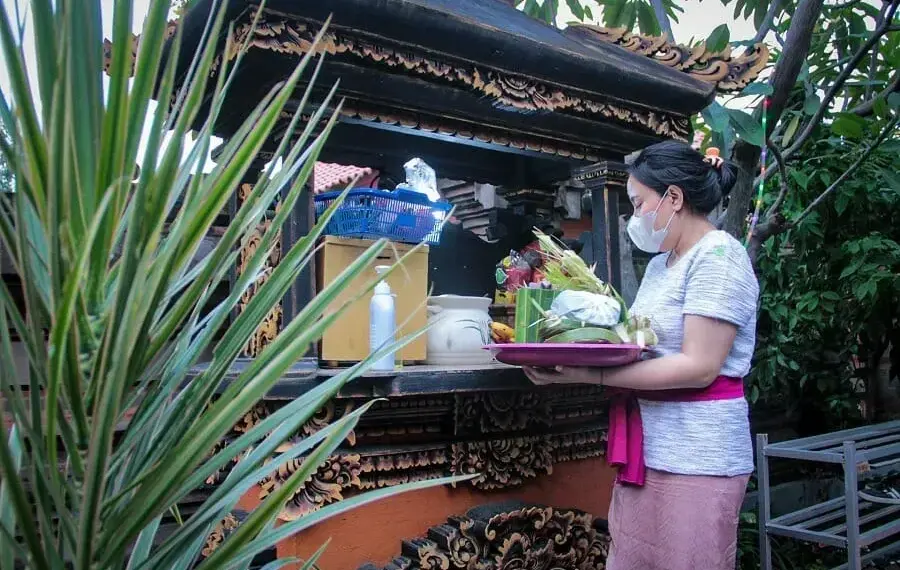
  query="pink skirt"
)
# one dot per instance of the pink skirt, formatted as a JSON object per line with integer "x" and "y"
{"x": 675, "y": 522}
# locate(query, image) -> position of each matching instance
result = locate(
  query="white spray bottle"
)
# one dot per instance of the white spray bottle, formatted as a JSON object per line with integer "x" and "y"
{"x": 382, "y": 324}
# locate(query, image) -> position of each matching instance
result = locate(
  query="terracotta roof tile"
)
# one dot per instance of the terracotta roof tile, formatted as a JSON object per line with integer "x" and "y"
{"x": 328, "y": 176}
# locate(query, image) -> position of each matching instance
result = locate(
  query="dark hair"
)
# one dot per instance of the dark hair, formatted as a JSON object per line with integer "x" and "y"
{"x": 673, "y": 163}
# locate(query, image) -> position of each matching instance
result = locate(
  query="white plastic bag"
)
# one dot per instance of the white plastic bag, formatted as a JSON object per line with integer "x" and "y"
{"x": 589, "y": 308}
{"x": 421, "y": 178}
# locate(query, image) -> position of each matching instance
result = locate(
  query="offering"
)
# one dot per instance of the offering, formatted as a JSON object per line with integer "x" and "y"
{"x": 569, "y": 323}
{"x": 586, "y": 310}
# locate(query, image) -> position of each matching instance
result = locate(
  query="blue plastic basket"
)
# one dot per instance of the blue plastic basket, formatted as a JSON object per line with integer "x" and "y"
{"x": 401, "y": 215}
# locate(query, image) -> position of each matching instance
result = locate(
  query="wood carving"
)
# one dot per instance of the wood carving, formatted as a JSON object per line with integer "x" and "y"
{"x": 249, "y": 420}
{"x": 728, "y": 73}
{"x": 386, "y": 469}
{"x": 323, "y": 487}
{"x": 507, "y": 90}
{"x": 600, "y": 174}
{"x": 579, "y": 445}
{"x": 502, "y": 462}
{"x": 492, "y": 412}
{"x": 219, "y": 474}
{"x": 322, "y": 418}
{"x": 502, "y": 538}
{"x": 412, "y": 439}
{"x": 273, "y": 321}
{"x": 222, "y": 530}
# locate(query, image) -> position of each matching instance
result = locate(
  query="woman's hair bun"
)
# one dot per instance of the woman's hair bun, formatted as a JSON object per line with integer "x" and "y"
{"x": 728, "y": 175}
{"x": 705, "y": 180}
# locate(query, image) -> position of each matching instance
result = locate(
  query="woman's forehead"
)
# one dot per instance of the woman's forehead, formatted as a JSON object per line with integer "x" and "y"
{"x": 635, "y": 189}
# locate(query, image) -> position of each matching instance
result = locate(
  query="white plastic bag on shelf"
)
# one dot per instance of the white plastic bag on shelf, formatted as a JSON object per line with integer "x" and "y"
{"x": 421, "y": 178}
{"x": 589, "y": 308}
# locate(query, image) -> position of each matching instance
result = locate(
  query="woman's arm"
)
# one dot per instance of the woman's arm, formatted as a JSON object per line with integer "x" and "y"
{"x": 704, "y": 348}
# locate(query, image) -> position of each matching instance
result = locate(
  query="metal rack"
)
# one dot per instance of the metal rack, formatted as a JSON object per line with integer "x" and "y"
{"x": 844, "y": 522}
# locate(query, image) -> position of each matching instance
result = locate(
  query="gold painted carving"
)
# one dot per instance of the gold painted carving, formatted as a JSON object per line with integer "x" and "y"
{"x": 402, "y": 441}
{"x": 218, "y": 535}
{"x": 507, "y": 90}
{"x": 521, "y": 539}
{"x": 387, "y": 469}
{"x": 326, "y": 414}
{"x": 323, "y": 487}
{"x": 272, "y": 323}
{"x": 502, "y": 463}
{"x": 727, "y": 72}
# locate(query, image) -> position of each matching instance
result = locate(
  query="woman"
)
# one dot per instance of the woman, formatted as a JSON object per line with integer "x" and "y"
{"x": 676, "y": 502}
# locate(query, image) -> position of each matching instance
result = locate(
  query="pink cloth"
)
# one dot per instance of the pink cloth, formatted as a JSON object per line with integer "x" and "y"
{"x": 625, "y": 440}
{"x": 662, "y": 525}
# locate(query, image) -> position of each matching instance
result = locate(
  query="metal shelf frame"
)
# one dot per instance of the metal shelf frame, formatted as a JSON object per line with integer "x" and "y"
{"x": 844, "y": 522}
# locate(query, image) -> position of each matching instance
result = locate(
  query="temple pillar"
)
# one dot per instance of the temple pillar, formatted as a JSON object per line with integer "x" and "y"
{"x": 302, "y": 291}
{"x": 606, "y": 199}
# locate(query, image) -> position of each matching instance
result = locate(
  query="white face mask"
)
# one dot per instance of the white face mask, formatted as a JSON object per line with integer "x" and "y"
{"x": 641, "y": 230}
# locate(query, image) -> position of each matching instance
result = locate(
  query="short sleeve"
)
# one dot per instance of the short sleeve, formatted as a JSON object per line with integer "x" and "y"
{"x": 720, "y": 284}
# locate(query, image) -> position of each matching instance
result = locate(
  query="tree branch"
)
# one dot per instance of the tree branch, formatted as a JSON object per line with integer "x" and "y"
{"x": 768, "y": 20}
{"x": 782, "y": 169}
{"x": 873, "y": 59}
{"x": 866, "y": 108}
{"x": 796, "y": 49}
{"x": 842, "y": 78}
{"x": 844, "y": 5}
{"x": 888, "y": 129}
{"x": 784, "y": 77}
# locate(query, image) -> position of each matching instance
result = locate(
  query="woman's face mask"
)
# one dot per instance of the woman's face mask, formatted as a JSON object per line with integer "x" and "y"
{"x": 641, "y": 229}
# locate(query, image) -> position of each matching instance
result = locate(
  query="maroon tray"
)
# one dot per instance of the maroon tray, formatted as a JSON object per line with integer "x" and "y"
{"x": 551, "y": 354}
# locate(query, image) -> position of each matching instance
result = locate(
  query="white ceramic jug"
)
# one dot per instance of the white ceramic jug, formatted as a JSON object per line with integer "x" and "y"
{"x": 462, "y": 326}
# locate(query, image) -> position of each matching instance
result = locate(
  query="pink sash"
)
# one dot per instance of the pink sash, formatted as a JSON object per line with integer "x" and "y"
{"x": 625, "y": 441}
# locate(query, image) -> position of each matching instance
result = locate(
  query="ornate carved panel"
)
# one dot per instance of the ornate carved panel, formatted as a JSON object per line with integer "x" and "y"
{"x": 323, "y": 487}
{"x": 727, "y": 72}
{"x": 220, "y": 532}
{"x": 493, "y": 412}
{"x": 295, "y": 37}
{"x": 274, "y": 320}
{"x": 508, "y": 538}
{"x": 502, "y": 462}
{"x": 552, "y": 426}
{"x": 507, "y": 437}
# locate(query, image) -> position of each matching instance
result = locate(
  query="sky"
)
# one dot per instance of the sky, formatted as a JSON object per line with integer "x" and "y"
{"x": 697, "y": 21}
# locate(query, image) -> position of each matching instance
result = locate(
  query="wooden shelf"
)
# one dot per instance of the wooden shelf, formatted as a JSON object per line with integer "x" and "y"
{"x": 405, "y": 381}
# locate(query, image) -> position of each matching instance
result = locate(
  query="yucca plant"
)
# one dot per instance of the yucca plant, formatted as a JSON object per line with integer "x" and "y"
{"x": 111, "y": 431}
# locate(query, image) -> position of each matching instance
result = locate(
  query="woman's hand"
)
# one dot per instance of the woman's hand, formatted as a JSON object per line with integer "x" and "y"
{"x": 564, "y": 375}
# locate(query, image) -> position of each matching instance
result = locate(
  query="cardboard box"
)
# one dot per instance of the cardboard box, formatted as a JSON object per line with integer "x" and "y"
{"x": 347, "y": 340}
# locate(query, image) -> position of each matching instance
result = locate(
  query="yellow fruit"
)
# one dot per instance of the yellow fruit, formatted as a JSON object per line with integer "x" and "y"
{"x": 502, "y": 333}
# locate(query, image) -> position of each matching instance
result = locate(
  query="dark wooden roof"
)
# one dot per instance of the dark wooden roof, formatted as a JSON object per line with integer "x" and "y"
{"x": 478, "y": 72}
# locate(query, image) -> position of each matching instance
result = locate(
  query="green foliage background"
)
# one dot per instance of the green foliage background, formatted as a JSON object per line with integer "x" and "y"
{"x": 829, "y": 266}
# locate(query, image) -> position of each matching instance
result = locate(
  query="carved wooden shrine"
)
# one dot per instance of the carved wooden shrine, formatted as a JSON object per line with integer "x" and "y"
{"x": 485, "y": 94}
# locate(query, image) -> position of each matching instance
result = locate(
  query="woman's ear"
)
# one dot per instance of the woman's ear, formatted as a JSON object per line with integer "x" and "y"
{"x": 676, "y": 196}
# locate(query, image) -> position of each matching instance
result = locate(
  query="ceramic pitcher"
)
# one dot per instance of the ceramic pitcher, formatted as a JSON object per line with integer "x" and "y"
{"x": 460, "y": 329}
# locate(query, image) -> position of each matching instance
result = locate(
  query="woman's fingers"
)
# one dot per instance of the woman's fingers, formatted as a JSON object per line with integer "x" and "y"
{"x": 540, "y": 375}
